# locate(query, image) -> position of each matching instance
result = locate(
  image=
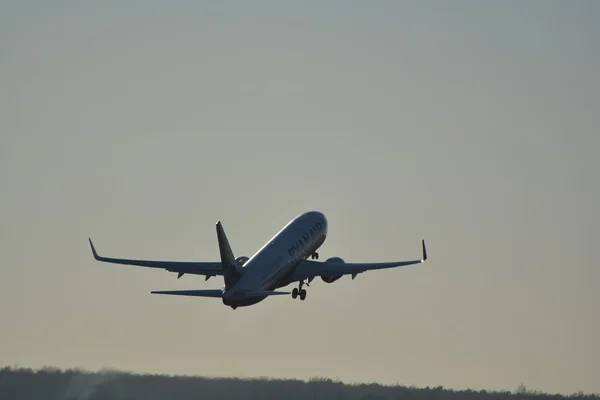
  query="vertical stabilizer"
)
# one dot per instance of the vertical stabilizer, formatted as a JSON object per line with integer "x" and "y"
{"x": 231, "y": 273}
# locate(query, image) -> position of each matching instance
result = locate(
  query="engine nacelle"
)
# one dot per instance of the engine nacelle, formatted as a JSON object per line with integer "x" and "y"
{"x": 332, "y": 260}
{"x": 241, "y": 260}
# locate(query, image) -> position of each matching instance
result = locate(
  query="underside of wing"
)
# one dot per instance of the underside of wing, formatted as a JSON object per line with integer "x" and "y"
{"x": 336, "y": 267}
{"x": 181, "y": 267}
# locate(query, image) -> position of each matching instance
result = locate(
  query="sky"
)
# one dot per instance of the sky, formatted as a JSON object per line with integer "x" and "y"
{"x": 473, "y": 125}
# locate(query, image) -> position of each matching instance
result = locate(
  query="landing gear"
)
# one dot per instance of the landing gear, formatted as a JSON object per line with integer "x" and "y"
{"x": 299, "y": 291}
{"x": 314, "y": 255}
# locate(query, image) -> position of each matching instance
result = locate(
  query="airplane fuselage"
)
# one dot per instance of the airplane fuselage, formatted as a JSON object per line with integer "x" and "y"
{"x": 270, "y": 267}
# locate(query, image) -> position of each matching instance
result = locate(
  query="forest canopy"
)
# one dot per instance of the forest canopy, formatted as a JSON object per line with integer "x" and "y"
{"x": 53, "y": 383}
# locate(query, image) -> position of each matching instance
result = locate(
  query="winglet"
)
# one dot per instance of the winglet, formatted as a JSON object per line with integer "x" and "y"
{"x": 93, "y": 250}
{"x": 424, "y": 251}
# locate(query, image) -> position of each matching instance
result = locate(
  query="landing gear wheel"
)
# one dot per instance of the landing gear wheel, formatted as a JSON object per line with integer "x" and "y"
{"x": 299, "y": 291}
{"x": 314, "y": 255}
{"x": 302, "y": 294}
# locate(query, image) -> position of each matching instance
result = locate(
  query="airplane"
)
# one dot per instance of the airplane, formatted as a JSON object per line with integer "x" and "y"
{"x": 279, "y": 262}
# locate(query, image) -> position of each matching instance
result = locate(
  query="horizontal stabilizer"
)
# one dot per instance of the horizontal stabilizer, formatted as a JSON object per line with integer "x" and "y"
{"x": 198, "y": 293}
{"x": 262, "y": 293}
{"x": 217, "y": 293}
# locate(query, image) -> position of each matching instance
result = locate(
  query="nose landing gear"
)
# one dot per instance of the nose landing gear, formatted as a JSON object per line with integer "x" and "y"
{"x": 299, "y": 291}
{"x": 314, "y": 255}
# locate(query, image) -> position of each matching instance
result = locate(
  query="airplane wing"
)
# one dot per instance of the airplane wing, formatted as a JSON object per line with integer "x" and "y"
{"x": 310, "y": 269}
{"x": 181, "y": 267}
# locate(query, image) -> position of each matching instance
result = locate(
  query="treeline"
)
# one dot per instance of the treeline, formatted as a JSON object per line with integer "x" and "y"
{"x": 55, "y": 384}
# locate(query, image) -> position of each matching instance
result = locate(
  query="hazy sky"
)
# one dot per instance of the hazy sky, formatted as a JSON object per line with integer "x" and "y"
{"x": 471, "y": 124}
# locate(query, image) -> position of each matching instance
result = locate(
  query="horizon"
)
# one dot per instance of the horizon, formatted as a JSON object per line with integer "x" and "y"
{"x": 521, "y": 388}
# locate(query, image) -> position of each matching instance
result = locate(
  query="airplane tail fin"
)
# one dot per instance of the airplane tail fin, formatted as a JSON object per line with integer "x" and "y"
{"x": 231, "y": 272}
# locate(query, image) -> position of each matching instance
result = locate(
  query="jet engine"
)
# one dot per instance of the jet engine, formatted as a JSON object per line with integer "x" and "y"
{"x": 332, "y": 260}
{"x": 241, "y": 260}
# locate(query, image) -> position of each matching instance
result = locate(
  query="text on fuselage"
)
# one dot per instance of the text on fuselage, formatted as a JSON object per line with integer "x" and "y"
{"x": 306, "y": 238}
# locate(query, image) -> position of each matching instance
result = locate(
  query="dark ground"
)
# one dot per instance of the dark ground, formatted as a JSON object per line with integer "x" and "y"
{"x": 54, "y": 384}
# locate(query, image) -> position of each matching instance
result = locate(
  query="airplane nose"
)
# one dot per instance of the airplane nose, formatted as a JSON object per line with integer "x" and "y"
{"x": 319, "y": 214}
